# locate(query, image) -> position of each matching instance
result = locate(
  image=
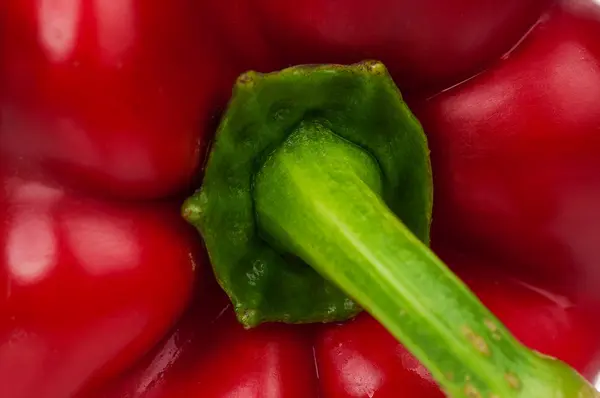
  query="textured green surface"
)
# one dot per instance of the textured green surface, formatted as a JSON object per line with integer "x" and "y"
{"x": 360, "y": 103}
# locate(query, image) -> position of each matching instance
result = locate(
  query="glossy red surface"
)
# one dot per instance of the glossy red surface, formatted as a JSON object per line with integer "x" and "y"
{"x": 361, "y": 359}
{"x": 515, "y": 156}
{"x": 210, "y": 354}
{"x": 114, "y": 96}
{"x": 425, "y": 44}
{"x": 88, "y": 286}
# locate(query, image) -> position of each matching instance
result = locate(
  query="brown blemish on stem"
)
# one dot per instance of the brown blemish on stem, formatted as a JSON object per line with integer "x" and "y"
{"x": 493, "y": 328}
{"x": 490, "y": 325}
{"x": 472, "y": 392}
{"x": 477, "y": 341}
{"x": 513, "y": 381}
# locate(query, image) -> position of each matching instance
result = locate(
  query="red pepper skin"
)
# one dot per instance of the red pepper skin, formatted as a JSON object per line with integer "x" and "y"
{"x": 90, "y": 285}
{"x": 515, "y": 154}
{"x": 357, "y": 359}
{"x": 109, "y": 99}
{"x": 425, "y": 44}
{"x": 112, "y": 96}
{"x": 72, "y": 101}
{"x": 210, "y": 355}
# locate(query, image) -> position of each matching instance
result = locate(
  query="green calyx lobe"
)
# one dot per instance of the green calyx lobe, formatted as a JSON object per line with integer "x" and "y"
{"x": 317, "y": 198}
{"x": 358, "y": 103}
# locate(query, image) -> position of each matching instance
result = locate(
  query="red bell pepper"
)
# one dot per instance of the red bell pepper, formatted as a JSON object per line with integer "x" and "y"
{"x": 91, "y": 91}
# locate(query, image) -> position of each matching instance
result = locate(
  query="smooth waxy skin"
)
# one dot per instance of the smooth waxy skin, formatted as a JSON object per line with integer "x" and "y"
{"x": 109, "y": 98}
{"x": 372, "y": 376}
{"x": 196, "y": 359}
{"x": 88, "y": 286}
{"x": 93, "y": 89}
{"x": 515, "y": 156}
{"x": 426, "y": 45}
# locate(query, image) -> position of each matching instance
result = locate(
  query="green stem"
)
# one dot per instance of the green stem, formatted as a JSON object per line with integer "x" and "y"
{"x": 318, "y": 197}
